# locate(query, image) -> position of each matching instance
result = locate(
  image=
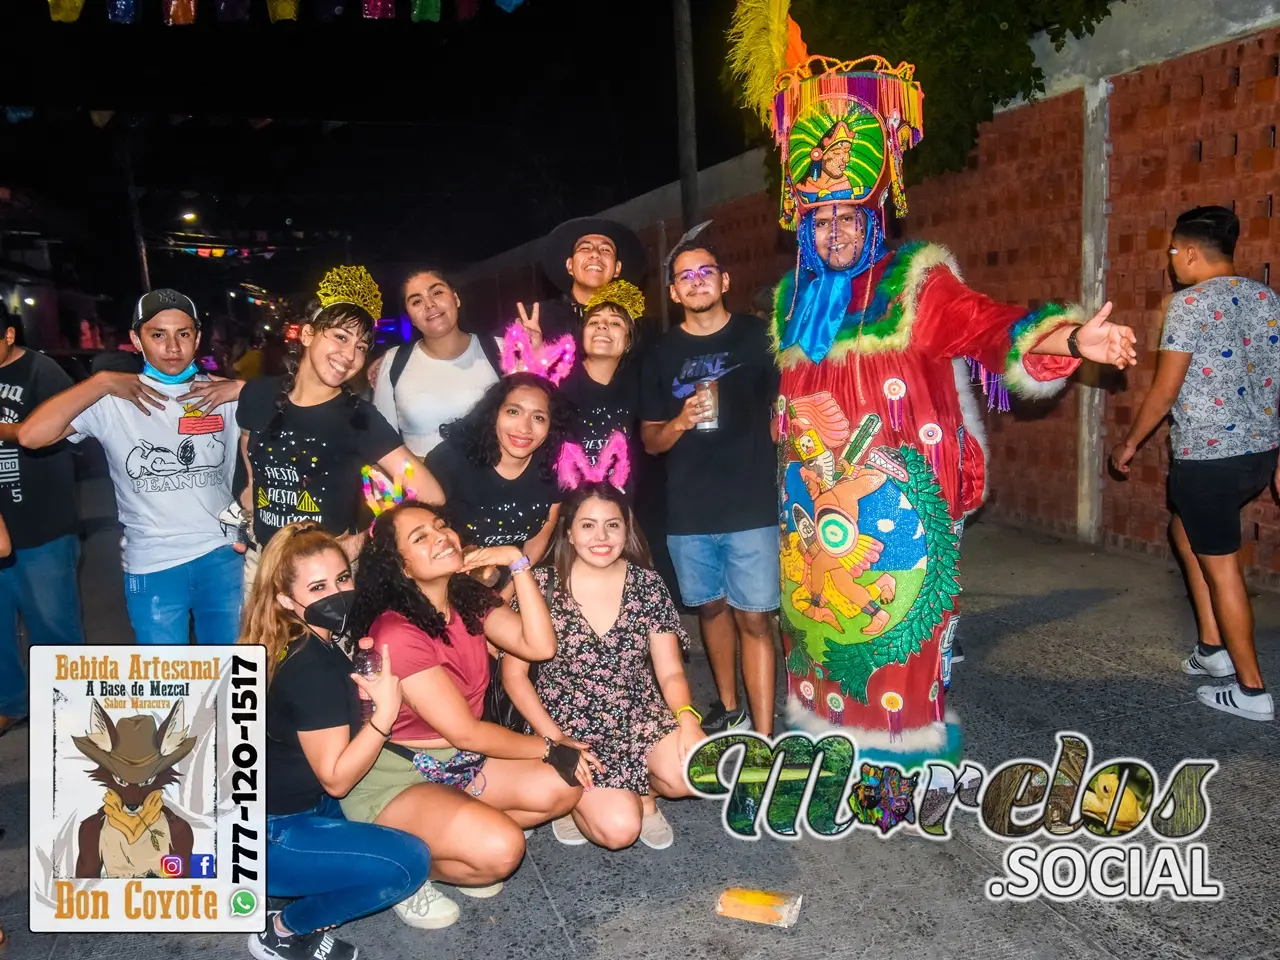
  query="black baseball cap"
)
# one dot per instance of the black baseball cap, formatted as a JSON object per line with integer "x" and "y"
{"x": 158, "y": 301}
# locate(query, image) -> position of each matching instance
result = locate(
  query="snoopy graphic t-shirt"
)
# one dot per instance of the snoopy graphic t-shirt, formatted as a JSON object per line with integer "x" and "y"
{"x": 172, "y": 474}
{"x": 306, "y": 461}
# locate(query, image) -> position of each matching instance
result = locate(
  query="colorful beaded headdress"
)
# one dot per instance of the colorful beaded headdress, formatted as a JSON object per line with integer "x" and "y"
{"x": 553, "y": 360}
{"x": 620, "y": 293}
{"x": 842, "y": 126}
{"x": 351, "y": 285}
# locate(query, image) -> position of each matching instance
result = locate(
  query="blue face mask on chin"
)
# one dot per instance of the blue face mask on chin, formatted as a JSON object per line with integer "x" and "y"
{"x": 170, "y": 378}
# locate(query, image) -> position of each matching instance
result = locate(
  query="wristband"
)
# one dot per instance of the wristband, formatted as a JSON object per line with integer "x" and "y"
{"x": 385, "y": 736}
{"x": 547, "y": 751}
{"x": 688, "y": 707}
{"x": 1072, "y": 346}
{"x": 519, "y": 565}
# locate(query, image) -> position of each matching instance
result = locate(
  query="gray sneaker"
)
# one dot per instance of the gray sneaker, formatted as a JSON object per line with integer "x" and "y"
{"x": 1217, "y": 664}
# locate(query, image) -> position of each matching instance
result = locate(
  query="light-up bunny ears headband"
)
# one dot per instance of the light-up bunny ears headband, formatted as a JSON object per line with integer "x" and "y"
{"x": 381, "y": 494}
{"x": 553, "y": 361}
{"x": 573, "y": 469}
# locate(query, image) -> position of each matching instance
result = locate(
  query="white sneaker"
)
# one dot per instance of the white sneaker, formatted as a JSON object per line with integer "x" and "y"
{"x": 656, "y": 832}
{"x": 481, "y": 893}
{"x": 428, "y": 909}
{"x": 1229, "y": 698}
{"x": 1218, "y": 664}
{"x": 567, "y": 832}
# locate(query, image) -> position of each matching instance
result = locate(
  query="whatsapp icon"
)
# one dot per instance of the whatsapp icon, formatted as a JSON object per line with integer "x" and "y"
{"x": 243, "y": 903}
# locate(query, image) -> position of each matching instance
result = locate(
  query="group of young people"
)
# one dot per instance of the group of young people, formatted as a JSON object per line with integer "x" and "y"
{"x": 509, "y": 566}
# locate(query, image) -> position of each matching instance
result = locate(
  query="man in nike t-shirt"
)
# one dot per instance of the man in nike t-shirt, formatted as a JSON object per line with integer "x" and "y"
{"x": 722, "y": 498}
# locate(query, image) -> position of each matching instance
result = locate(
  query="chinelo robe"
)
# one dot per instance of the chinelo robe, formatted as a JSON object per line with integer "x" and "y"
{"x": 881, "y": 456}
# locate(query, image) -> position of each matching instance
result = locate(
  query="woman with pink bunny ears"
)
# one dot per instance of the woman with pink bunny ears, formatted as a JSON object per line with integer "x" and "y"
{"x": 497, "y": 463}
{"x": 616, "y": 685}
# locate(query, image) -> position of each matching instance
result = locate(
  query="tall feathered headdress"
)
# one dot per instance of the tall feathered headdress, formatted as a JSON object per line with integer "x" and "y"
{"x": 803, "y": 98}
{"x": 351, "y": 285}
{"x": 573, "y": 468}
{"x": 554, "y": 360}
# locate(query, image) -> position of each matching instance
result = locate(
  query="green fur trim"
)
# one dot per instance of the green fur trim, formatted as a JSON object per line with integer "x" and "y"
{"x": 892, "y": 306}
{"x": 1024, "y": 335}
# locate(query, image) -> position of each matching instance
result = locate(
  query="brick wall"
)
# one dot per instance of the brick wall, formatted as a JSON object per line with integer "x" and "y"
{"x": 1012, "y": 219}
{"x": 1199, "y": 129}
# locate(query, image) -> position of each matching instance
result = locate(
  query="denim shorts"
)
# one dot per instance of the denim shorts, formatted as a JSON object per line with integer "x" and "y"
{"x": 742, "y": 567}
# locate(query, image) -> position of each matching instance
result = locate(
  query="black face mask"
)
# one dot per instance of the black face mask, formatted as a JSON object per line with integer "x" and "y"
{"x": 331, "y": 612}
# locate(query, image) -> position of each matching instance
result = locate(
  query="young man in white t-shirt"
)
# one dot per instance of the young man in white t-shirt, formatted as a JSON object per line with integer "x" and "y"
{"x": 171, "y": 465}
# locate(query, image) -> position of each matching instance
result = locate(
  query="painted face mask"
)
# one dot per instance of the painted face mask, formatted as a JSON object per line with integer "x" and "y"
{"x": 331, "y": 612}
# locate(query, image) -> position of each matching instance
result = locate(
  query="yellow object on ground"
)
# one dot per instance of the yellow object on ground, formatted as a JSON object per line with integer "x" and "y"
{"x": 760, "y": 906}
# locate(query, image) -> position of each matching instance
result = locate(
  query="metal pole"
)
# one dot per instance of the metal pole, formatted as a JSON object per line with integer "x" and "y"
{"x": 690, "y": 208}
{"x": 126, "y": 160}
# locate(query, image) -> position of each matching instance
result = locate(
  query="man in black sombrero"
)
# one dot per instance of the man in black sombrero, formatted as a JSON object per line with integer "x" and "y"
{"x": 580, "y": 256}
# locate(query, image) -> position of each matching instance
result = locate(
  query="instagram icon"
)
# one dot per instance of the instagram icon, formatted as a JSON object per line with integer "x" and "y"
{"x": 171, "y": 866}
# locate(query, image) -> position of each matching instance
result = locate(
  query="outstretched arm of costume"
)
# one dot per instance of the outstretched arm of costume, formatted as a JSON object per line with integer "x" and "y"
{"x": 951, "y": 320}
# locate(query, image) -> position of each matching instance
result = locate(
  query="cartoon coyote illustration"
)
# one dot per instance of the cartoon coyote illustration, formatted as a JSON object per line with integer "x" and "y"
{"x": 133, "y": 829}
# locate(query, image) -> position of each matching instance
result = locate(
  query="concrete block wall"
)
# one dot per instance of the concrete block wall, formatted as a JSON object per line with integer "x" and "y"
{"x": 1195, "y": 129}
{"x": 1012, "y": 220}
{"x": 1198, "y": 129}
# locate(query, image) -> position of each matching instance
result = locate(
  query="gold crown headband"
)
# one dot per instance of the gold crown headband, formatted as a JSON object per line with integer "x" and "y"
{"x": 621, "y": 293}
{"x": 351, "y": 285}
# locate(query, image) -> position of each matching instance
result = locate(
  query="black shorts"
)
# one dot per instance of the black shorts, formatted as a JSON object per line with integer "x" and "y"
{"x": 1207, "y": 495}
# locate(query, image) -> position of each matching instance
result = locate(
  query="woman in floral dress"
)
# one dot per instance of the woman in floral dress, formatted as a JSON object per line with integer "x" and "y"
{"x": 617, "y": 683}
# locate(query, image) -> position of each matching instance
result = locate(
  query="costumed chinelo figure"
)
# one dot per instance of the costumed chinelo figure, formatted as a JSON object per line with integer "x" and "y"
{"x": 881, "y": 448}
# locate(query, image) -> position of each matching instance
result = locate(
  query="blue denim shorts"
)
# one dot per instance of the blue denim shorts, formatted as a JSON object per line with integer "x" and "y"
{"x": 742, "y": 567}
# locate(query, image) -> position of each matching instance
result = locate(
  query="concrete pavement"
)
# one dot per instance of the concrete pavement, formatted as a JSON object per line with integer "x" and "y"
{"x": 1057, "y": 638}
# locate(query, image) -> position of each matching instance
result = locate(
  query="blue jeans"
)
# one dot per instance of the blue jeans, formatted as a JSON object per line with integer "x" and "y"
{"x": 39, "y": 585}
{"x": 339, "y": 869}
{"x": 743, "y": 566}
{"x": 209, "y": 588}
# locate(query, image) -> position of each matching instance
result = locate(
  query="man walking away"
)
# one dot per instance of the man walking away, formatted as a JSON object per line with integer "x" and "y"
{"x": 1219, "y": 373}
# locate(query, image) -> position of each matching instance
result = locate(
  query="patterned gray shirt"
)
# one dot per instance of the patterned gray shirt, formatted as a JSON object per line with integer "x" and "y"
{"x": 1227, "y": 406}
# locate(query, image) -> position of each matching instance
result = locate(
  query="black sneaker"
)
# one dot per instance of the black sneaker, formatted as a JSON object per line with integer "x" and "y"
{"x": 718, "y": 719}
{"x": 957, "y": 654}
{"x": 320, "y": 945}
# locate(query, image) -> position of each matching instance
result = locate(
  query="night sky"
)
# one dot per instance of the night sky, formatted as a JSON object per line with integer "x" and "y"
{"x": 461, "y": 139}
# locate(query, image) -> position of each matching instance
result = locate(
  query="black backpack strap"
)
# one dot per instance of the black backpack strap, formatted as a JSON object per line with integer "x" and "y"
{"x": 401, "y": 360}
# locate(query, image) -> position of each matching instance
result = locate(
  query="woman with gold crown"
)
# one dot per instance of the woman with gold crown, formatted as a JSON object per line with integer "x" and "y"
{"x": 305, "y": 436}
{"x": 603, "y": 385}
{"x": 881, "y": 444}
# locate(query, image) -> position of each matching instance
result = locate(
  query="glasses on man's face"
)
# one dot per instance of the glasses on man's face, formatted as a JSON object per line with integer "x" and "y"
{"x": 698, "y": 273}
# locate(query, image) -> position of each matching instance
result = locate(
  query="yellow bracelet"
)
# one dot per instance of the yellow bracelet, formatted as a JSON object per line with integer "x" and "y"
{"x": 696, "y": 715}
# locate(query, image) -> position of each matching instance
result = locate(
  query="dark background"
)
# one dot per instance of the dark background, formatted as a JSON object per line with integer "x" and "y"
{"x": 390, "y": 142}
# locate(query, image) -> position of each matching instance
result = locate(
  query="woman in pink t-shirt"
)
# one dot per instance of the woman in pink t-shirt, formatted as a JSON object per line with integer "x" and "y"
{"x": 466, "y": 787}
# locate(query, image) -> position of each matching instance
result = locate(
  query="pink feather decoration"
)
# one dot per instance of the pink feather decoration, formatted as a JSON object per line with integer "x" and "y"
{"x": 573, "y": 468}
{"x": 552, "y": 361}
{"x": 614, "y": 457}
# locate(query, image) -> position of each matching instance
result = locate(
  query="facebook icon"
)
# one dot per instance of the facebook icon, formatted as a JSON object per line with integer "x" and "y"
{"x": 202, "y": 865}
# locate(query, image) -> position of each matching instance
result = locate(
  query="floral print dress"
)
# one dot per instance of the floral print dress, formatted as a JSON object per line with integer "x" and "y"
{"x": 602, "y": 690}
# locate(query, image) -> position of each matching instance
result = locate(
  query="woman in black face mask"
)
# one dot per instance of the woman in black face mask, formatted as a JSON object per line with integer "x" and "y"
{"x": 318, "y": 747}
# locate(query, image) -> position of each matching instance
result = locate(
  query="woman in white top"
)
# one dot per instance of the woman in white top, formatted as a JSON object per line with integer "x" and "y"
{"x": 445, "y": 372}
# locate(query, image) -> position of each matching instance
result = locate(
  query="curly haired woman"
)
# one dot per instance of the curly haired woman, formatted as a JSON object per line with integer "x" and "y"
{"x": 466, "y": 787}
{"x": 334, "y": 870}
{"x": 497, "y": 464}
